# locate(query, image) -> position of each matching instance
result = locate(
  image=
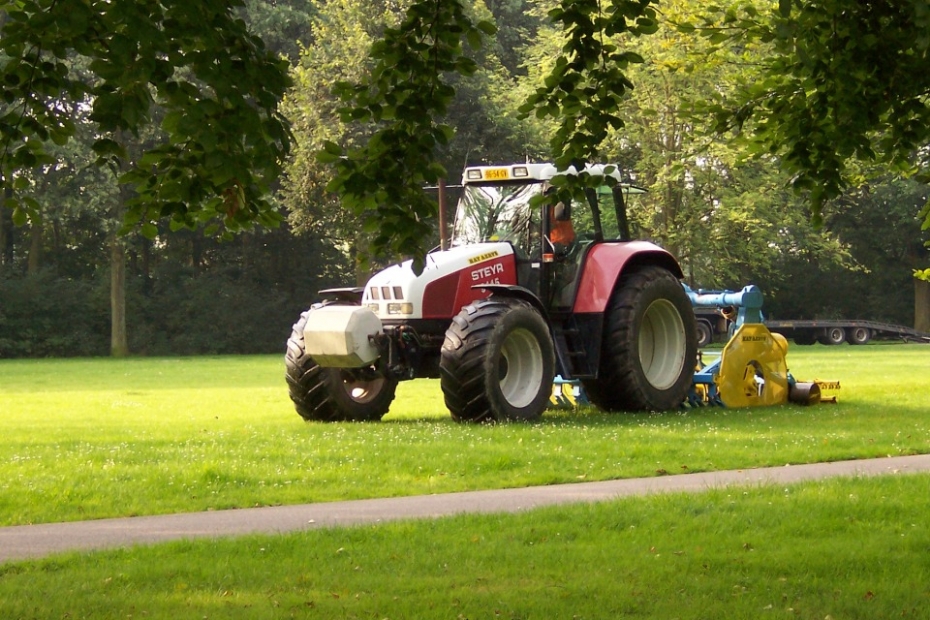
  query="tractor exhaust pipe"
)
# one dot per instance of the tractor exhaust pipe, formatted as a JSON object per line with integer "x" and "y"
{"x": 443, "y": 219}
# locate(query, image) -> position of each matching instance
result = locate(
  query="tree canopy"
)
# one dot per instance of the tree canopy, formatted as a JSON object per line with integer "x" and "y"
{"x": 191, "y": 68}
{"x": 724, "y": 207}
{"x": 841, "y": 81}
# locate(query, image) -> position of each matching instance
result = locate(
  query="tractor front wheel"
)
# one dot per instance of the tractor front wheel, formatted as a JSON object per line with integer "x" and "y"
{"x": 333, "y": 394}
{"x": 649, "y": 351}
{"x": 498, "y": 362}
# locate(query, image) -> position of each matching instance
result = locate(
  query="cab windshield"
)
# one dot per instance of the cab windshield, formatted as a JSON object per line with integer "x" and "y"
{"x": 498, "y": 213}
{"x": 502, "y": 212}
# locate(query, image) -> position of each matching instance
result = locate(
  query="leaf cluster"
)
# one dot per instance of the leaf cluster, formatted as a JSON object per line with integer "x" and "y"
{"x": 584, "y": 90}
{"x": 844, "y": 81}
{"x": 405, "y": 92}
{"x": 216, "y": 83}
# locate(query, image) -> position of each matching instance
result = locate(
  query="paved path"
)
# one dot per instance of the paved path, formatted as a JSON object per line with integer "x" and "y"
{"x": 33, "y": 541}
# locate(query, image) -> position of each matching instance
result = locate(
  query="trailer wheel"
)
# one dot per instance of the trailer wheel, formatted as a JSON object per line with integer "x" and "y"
{"x": 649, "y": 351}
{"x": 859, "y": 335}
{"x": 333, "y": 394}
{"x": 497, "y": 362}
{"x": 832, "y": 335}
{"x": 705, "y": 335}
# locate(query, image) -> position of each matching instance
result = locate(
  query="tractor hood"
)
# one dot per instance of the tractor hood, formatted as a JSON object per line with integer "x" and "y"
{"x": 445, "y": 286}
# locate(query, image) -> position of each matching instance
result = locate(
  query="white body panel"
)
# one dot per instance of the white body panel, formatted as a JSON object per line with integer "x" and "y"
{"x": 388, "y": 292}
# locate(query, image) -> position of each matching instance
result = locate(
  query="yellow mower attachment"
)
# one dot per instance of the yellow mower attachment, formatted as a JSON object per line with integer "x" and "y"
{"x": 829, "y": 390}
{"x": 753, "y": 368}
{"x": 567, "y": 394}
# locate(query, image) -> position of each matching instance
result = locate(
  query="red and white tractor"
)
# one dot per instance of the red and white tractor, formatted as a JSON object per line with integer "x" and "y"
{"x": 525, "y": 291}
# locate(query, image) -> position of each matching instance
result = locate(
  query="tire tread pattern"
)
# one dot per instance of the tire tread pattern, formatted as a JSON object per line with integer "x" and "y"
{"x": 621, "y": 385}
{"x": 312, "y": 387}
{"x": 464, "y": 353}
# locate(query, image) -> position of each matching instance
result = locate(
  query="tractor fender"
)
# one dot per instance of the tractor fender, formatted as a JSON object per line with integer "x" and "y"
{"x": 518, "y": 292}
{"x": 605, "y": 263}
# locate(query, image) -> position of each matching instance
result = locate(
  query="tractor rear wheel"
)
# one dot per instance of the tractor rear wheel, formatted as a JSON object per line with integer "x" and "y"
{"x": 649, "y": 351}
{"x": 498, "y": 362}
{"x": 333, "y": 394}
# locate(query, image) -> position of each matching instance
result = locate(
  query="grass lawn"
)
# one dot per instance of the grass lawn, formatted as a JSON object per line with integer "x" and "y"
{"x": 96, "y": 438}
{"x": 837, "y": 549}
{"x": 84, "y": 439}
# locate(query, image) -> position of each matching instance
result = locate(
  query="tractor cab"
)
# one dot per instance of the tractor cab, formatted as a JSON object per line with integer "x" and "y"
{"x": 504, "y": 203}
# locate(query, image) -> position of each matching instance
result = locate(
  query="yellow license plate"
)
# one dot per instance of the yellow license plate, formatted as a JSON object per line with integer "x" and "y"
{"x": 497, "y": 173}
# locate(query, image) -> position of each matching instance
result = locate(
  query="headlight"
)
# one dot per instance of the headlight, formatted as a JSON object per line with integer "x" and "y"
{"x": 406, "y": 308}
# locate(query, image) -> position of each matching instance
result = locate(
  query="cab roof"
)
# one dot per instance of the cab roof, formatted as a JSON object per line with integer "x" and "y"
{"x": 535, "y": 172}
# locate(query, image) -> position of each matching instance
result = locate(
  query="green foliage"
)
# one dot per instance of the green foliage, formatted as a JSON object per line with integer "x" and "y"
{"x": 236, "y": 301}
{"x": 404, "y": 93}
{"x": 585, "y": 87}
{"x": 727, "y": 218}
{"x": 587, "y": 84}
{"x": 880, "y": 226}
{"x": 46, "y": 316}
{"x": 482, "y": 114}
{"x": 342, "y": 34}
{"x": 842, "y": 81}
{"x": 217, "y": 85}
{"x": 222, "y": 312}
{"x": 283, "y": 25}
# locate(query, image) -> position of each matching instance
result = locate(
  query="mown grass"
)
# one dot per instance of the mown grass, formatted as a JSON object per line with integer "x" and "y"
{"x": 100, "y": 438}
{"x": 837, "y": 549}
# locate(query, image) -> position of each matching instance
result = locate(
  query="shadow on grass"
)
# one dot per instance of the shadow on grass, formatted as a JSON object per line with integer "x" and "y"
{"x": 588, "y": 416}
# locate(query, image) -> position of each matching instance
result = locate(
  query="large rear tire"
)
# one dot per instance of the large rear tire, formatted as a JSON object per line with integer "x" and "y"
{"x": 333, "y": 394}
{"x": 649, "y": 350}
{"x": 498, "y": 362}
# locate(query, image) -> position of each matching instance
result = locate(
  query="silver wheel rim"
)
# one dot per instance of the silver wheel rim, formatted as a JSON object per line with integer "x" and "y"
{"x": 361, "y": 390}
{"x": 522, "y": 368}
{"x": 662, "y": 344}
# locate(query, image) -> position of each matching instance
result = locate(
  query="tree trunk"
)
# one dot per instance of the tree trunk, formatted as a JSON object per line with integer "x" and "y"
{"x": 34, "y": 262}
{"x": 922, "y": 305}
{"x": 119, "y": 342}
{"x": 7, "y": 240}
{"x": 119, "y": 345}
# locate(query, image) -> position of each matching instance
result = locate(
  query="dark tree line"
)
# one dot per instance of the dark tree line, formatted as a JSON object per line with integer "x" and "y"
{"x": 730, "y": 221}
